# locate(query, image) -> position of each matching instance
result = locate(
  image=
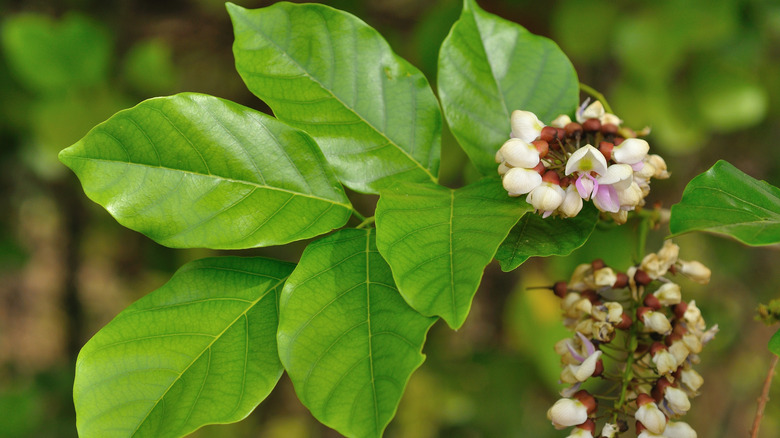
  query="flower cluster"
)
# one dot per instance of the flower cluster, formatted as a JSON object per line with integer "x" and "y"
{"x": 637, "y": 318}
{"x": 592, "y": 158}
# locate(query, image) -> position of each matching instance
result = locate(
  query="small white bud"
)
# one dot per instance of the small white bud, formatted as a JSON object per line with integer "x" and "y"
{"x": 561, "y": 121}
{"x": 668, "y": 294}
{"x": 680, "y": 351}
{"x": 619, "y": 176}
{"x": 525, "y": 125}
{"x": 593, "y": 111}
{"x": 567, "y": 412}
{"x": 691, "y": 380}
{"x": 695, "y": 271}
{"x": 659, "y": 165}
{"x": 657, "y": 322}
{"x": 604, "y": 277}
{"x": 664, "y": 362}
{"x": 677, "y": 400}
{"x": 631, "y": 151}
{"x": 651, "y": 417}
{"x": 519, "y": 181}
{"x": 609, "y": 430}
{"x": 572, "y": 202}
{"x": 630, "y": 196}
{"x": 608, "y": 118}
{"x": 679, "y": 429}
{"x": 518, "y": 153}
{"x": 546, "y": 197}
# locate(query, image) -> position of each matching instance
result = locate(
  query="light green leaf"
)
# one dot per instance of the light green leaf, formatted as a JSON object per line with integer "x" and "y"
{"x": 54, "y": 57}
{"x": 327, "y": 72}
{"x": 347, "y": 339}
{"x": 534, "y": 236}
{"x": 725, "y": 200}
{"x": 199, "y": 350}
{"x": 438, "y": 241}
{"x": 774, "y": 343}
{"x": 193, "y": 170}
{"x": 489, "y": 67}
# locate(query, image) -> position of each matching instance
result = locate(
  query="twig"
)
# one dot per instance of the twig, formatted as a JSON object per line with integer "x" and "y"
{"x": 764, "y": 397}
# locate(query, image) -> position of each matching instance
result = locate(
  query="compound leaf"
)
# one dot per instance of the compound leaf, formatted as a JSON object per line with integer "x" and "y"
{"x": 439, "y": 240}
{"x": 327, "y": 72}
{"x": 724, "y": 200}
{"x": 489, "y": 67}
{"x": 347, "y": 339}
{"x": 199, "y": 350}
{"x": 193, "y": 170}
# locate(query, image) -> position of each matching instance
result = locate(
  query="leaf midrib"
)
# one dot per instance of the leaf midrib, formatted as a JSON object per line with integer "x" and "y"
{"x": 309, "y": 75}
{"x": 214, "y": 176}
{"x": 208, "y": 348}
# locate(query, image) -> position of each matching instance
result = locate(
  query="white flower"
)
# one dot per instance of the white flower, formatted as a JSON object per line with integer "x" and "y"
{"x": 518, "y": 153}
{"x": 572, "y": 202}
{"x": 561, "y": 121}
{"x": 567, "y": 412}
{"x": 546, "y": 197}
{"x": 692, "y": 342}
{"x": 593, "y": 111}
{"x": 580, "y": 433}
{"x": 657, "y": 322}
{"x": 608, "y": 118}
{"x": 519, "y": 181}
{"x": 631, "y": 196}
{"x": 659, "y": 165}
{"x": 668, "y": 294}
{"x": 605, "y": 277}
{"x": 695, "y": 271}
{"x": 503, "y": 168}
{"x": 610, "y": 311}
{"x": 680, "y": 351}
{"x": 609, "y": 430}
{"x": 665, "y": 362}
{"x": 679, "y": 429}
{"x": 630, "y": 151}
{"x": 619, "y": 176}
{"x": 676, "y": 400}
{"x": 691, "y": 380}
{"x": 668, "y": 253}
{"x": 651, "y": 417}
{"x": 586, "y": 159}
{"x": 525, "y": 125}
{"x": 580, "y": 373}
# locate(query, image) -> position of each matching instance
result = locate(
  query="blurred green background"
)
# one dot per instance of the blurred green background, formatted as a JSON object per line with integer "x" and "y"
{"x": 704, "y": 74}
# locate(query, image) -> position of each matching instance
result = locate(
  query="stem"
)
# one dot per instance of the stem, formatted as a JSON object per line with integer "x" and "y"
{"x": 764, "y": 397}
{"x": 366, "y": 222}
{"x": 592, "y": 91}
{"x": 358, "y": 215}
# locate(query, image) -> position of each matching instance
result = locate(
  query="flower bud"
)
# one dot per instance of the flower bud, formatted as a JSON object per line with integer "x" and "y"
{"x": 668, "y": 294}
{"x": 654, "y": 321}
{"x": 679, "y": 429}
{"x": 519, "y": 181}
{"x": 677, "y": 401}
{"x": 630, "y": 196}
{"x": 593, "y": 111}
{"x": 664, "y": 361}
{"x": 519, "y": 153}
{"x": 631, "y": 151}
{"x": 560, "y": 121}
{"x": 649, "y": 415}
{"x": 546, "y": 197}
{"x": 659, "y": 165}
{"x": 691, "y": 380}
{"x": 604, "y": 277}
{"x": 609, "y": 430}
{"x": 695, "y": 271}
{"x": 567, "y": 412}
{"x": 525, "y": 125}
{"x": 572, "y": 203}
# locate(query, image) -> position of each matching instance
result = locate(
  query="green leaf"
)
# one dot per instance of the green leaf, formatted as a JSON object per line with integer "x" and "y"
{"x": 774, "y": 343}
{"x": 489, "y": 67}
{"x": 54, "y": 57}
{"x": 725, "y": 200}
{"x": 329, "y": 73}
{"x": 347, "y": 339}
{"x": 438, "y": 241}
{"x": 193, "y": 170}
{"x": 199, "y": 350}
{"x": 534, "y": 236}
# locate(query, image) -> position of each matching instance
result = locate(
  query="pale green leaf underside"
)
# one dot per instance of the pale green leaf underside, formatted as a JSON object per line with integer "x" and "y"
{"x": 534, "y": 236}
{"x": 489, "y": 67}
{"x": 347, "y": 339}
{"x": 327, "y": 72}
{"x": 193, "y": 170}
{"x": 199, "y": 350}
{"x": 438, "y": 241}
{"x": 725, "y": 200}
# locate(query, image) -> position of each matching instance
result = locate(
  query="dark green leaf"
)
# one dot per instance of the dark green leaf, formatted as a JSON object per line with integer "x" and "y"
{"x": 327, "y": 72}
{"x": 347, "y": 339}
{"x": 489, "y": 67}
{"x": 534, "y": 236}
{"x": 438, "y": 241}
{"x": 199, "y": 350}
{"x": 725, "y": 200}
{"x": 193, "y": 170}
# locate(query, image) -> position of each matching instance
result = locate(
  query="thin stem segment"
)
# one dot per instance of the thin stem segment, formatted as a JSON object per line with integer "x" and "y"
{"x": 600, "y": 97}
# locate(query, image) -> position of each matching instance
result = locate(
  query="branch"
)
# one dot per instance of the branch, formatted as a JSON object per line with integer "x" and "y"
{"x": 764, "y": 397}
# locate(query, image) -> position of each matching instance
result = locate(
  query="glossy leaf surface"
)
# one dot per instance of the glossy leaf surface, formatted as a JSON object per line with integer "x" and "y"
{"x": 347, "y": 339}
{"x": 725, "y": 200}
{"x": 489, "y": 67}
{"x": 327, "y": 72}
{"x": 438, "y": 241}
{"x": 534, "y": 236}
{"x": 199, "y": 350}
{"x": 192, "y": 170}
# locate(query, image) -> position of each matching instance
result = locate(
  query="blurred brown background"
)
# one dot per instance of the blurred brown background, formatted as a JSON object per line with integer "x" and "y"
{"x": 704, "y": 74}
